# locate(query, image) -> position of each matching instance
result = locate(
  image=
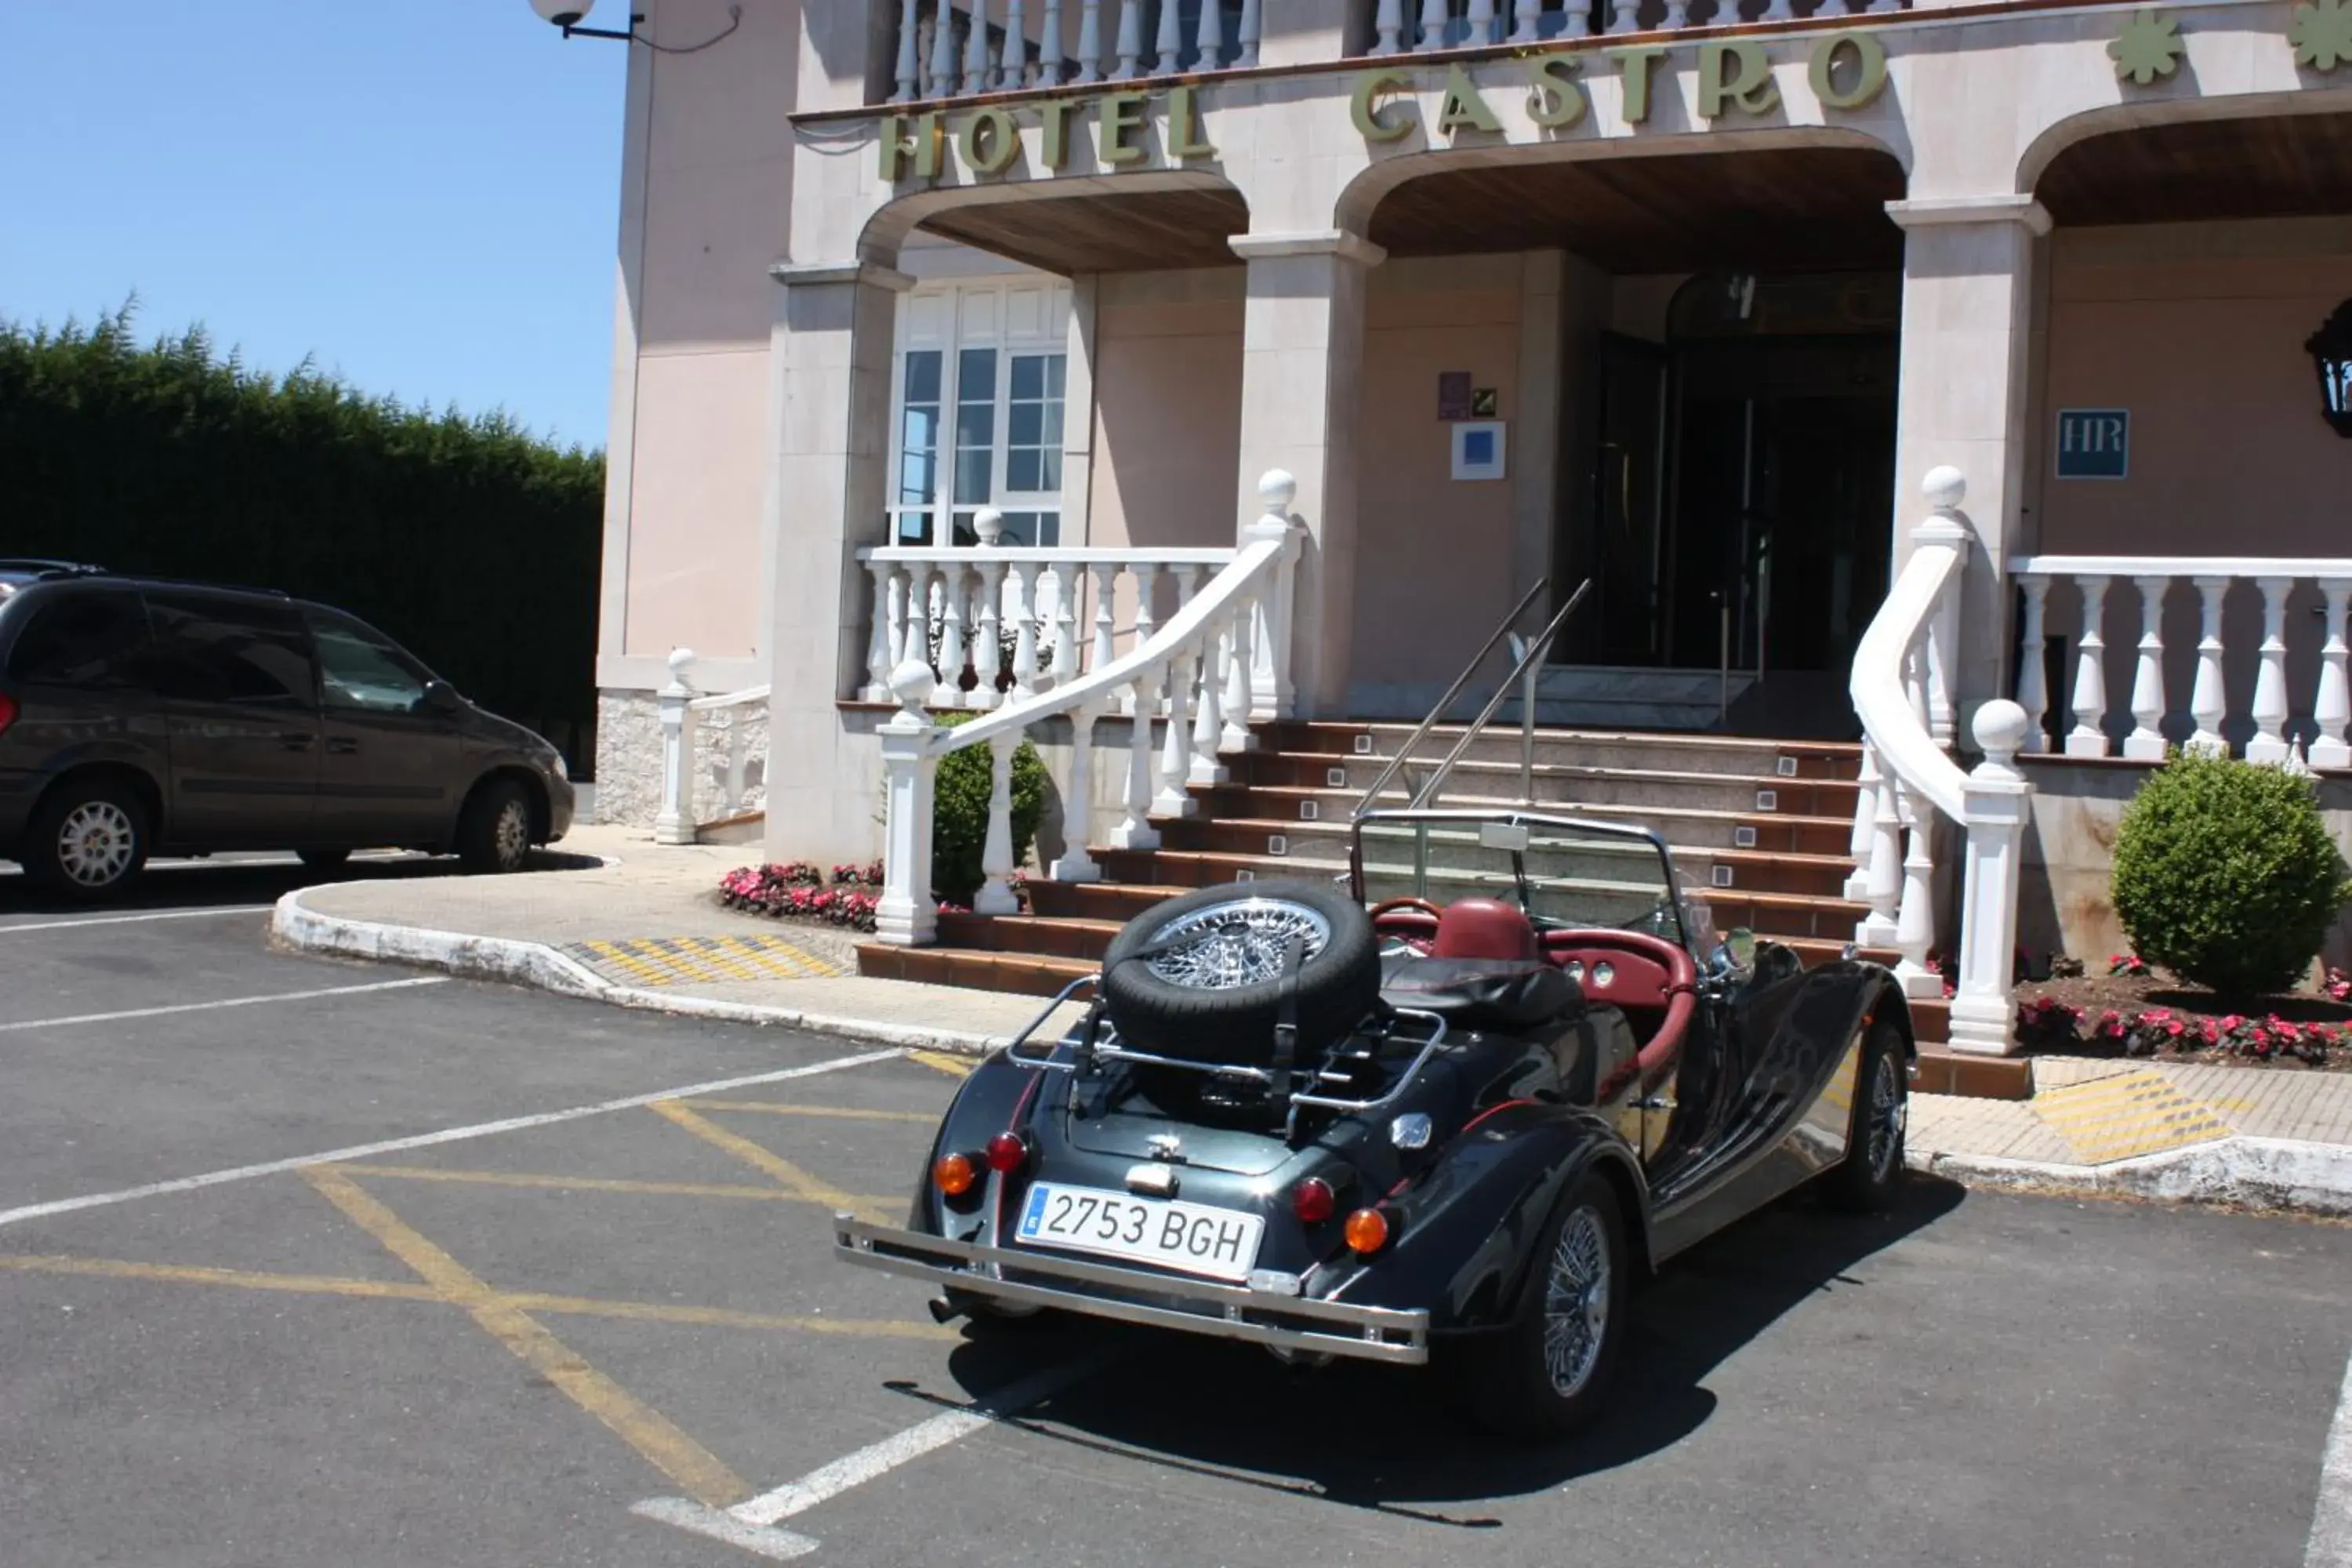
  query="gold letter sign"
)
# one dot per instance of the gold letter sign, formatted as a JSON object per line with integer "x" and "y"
{"x": 1369, "y": 123}
{"x": 1554, "y": 101}
{"x": 1869, "y": 70}
{"x": 1751, "y": 87}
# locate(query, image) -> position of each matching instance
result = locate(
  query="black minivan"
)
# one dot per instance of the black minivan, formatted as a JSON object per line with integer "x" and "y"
{"x": 140, "y": 716}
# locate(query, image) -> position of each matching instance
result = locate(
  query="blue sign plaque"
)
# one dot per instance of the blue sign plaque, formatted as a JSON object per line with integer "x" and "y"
{"x": 2094, "y": 443}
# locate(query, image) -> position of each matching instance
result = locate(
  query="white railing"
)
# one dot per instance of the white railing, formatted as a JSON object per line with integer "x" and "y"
{"x": 2143, "y": 698}
{"x": 1218, "y": 662}
{"x": 1901, "y": 691}
{"x": 944, "y": 50}
{"x": 1000, "y": 624}
{"x": 725, "y": 754}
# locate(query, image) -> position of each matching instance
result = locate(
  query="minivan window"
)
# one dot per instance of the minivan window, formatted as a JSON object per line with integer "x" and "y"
{"x": 84, "y": 638}
{"x": 221, "y": 650}
{"x": 360, "y": 668}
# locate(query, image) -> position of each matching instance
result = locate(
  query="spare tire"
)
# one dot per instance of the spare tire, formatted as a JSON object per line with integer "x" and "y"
{"x": 1202, "y": 977}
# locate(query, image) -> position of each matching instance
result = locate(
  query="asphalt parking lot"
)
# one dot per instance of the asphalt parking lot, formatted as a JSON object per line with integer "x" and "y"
{"x": 561, "y": 1294}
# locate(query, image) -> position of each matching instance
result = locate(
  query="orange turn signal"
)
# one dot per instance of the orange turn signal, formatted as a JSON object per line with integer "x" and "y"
{"x": 1367, "y": 1231}
{"x": 953, "y": 1175}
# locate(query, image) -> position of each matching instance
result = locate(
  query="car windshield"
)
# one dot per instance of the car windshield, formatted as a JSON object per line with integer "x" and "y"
{"x": 1563, "y": 873}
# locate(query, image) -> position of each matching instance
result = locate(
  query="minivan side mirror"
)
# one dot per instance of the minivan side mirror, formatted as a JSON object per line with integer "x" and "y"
{"x": 440, "y": 696}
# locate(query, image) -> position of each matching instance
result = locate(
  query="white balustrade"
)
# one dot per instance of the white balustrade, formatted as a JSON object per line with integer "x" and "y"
{"x": 1432, "y": 26}
{"x": 1893, "y": 687}
{"x": 975, "y": 48}
{"x": 1013, "y": 64}
{"x": 1090, "y": 43}
{"x": 2279, "y": 720}
{"x": 729, "y": 742}
{"x": 1205, "y": 656}
{"x": 1170, "y": 41}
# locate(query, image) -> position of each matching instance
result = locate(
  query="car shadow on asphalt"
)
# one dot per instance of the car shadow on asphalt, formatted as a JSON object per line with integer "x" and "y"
{"x": 208, "y": 883}
{"x": 1390, "y": 1438}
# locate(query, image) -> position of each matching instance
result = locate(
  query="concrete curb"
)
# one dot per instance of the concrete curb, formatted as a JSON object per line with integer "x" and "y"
{"x": 2256, "y": 1173}
{"x": 541, "y": 966}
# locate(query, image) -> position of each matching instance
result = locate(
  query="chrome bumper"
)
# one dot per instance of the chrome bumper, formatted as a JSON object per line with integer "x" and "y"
{"x": 1130, "y": 1295}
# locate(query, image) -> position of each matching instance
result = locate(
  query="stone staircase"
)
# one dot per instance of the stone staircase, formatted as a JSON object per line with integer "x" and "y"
{"x": 1760, "y": 829}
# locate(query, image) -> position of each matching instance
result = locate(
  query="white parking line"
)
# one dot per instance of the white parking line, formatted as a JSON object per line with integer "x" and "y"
{"x": 225, "y": 1002}
{"x": 133, "y": 919}
{"x": 2331, "y": 1518}
{"x": 425, "y": 1139}
{"x": 749, "y": 1523}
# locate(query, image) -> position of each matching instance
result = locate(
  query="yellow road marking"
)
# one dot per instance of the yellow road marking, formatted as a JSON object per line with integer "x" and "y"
{"x": 596, "y": 1183}
{"x": 700, "y": 1473}
{"x": 769, "y": 1108}
{"x": 2135, "y": 1112}
{"x": 787, "y": 1174}
{"x": 940, "y": 1061}
{"x": 528, "y": 1300}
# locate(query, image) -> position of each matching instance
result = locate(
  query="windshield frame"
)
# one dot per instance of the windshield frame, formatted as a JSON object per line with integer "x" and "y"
{"x": 1674, "y": 900}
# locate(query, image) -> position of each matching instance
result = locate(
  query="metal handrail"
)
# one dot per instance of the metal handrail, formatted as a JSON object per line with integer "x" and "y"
{"x": 1405, "y": 752}
{"x": 1536, "y": 651}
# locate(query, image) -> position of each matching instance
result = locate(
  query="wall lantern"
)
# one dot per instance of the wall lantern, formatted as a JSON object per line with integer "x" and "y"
{"x": 2331, "y": 350}
{"x": 569, "y": 13}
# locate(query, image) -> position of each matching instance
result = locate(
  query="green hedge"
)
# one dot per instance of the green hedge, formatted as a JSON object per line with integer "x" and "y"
{"x": 464, "y": 537}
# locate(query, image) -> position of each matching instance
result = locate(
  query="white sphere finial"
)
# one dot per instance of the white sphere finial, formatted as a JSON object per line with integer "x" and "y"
{"x": 912, "y": 683}
{"x": 564, "y": 12}
{"x": 2001, "y": 727}
{"x": 679, "y": 657}
{"x": 989, "y": 523}
{"x": 1945, "y": 487}
{"x": 1276, "y": 490}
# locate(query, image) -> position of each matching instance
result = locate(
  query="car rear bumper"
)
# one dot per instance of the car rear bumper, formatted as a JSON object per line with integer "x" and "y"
{"x": 1104, "y": 1291}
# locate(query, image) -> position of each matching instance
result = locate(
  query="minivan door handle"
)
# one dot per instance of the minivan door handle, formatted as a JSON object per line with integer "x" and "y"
{"x": 341, "y": 745}
{"x": 293, "y": 741}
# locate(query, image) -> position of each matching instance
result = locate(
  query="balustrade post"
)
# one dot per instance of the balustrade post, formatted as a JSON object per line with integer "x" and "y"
{"x": 2032, "y": 682}
{"x": 995, "y": 896}
{"x": 1253, "y": 24}
{"x": 880, "y": 651}
{"x": 1090, "y": 43}
{"x": 1388, "y": 28}
{"x": 1104, "y": 576}
{"x": 1209, "y": 37}
{"x": 1432, "y": 26}
{"x": 1176, "y": 751}
{"x": 1168, "y": 48}
{"x": 1237, "y": 736}
{"x": 943, "y": 53}
{"x": 2208, "y": 702}
{"x": 1208, "y": 713}
{"x": 2146, "y": 742}
{"x": 1478, "y": 19}
{"x": 2331, "y": 708}
{"x": 1049, "y": 47}
{"x": 1677, "y": 15}
{"x": 1135, "y": 830}
{"x": 1882, "y": 883}
{"x": 1066, "y": 622}
{"x": 988, "y": 636}
{"x": 1997, "y": 801}
{"x": 1271, "y": 695}
{"x": 1130, "y": 40}
{"x": 1625, "y": 15}
{"x": 975, "y": 47}
{"x": 1012, "y": 59}
{"x": 674, "y": 824}
{"x": 2088, "y": 738}
{"x": 918, "y": 611}
{"x": 1866, "y": 816}
{"x": 2269, "y": 743}
{"x": 953, "y": 600}
{"x": 1527, "y": 21}
{"x": 1776, "y": 11}
{"x": 909, "y": 24}
{"x": 1023, "y": 576}
{"x": 1147, "y": 582}
{"x": 907, "y": 914}
{"x": 1915, "y": 921}
{"x": 1073, "y": 864}
{"x": 1188, "y": 583}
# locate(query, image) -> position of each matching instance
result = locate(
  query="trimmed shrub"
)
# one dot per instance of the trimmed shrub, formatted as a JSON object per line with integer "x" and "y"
{"x": 960, "y": 820}
{"x": 2225, "y": 874}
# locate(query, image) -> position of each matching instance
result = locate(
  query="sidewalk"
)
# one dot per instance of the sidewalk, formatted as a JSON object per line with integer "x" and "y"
{"x": 618, "y": 919}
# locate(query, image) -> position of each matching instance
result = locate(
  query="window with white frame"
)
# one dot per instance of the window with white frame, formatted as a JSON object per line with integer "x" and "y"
{"x": 977, "y": 410}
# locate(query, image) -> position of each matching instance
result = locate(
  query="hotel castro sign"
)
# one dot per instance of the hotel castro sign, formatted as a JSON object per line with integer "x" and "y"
{"x": 1846, "y": 70}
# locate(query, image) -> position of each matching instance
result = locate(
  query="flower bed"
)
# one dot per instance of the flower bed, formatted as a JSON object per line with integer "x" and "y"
{"x": 2131, "y": 1011}
{"x": 797, "y": 891}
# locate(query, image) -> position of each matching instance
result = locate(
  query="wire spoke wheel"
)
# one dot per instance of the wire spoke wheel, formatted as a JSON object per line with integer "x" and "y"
{"x": 97, "y": 844}
{"x": 1576, "y": 1302}
{"x": 1890, "y": 1109}
{"x": 1234, "y": 945}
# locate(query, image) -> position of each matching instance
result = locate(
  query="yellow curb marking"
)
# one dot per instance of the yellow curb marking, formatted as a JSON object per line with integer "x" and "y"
{"x": 673, "y": 960}
{"x": 927, "y": 1118}
{"x": 957, "y": 1066}
{"x": 595, "y": 1184}
{"x": 2135, "y": 1112}
{"x": 790, "y": 1177}
{"x": 700, "y": 1473}
{"x": 400, "y": 1291}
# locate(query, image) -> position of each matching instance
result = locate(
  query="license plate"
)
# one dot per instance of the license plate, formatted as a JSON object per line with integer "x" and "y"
{"x": 1193, "y": 1237}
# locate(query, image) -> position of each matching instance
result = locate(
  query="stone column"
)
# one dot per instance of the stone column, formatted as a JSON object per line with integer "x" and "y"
{"x": 1966, "y": 397}
{"x": 1302, "y": 374}
{"x": 829, "y": 388}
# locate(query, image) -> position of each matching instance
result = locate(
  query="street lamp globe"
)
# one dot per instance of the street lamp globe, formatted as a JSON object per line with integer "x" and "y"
{"x": 564, "y": 12}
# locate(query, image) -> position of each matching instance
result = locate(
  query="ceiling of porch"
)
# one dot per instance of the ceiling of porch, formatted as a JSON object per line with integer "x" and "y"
{"x": 2286, "y": 165}
{"x": 1792, "y": 207}
{"x": 1120, "y": 233}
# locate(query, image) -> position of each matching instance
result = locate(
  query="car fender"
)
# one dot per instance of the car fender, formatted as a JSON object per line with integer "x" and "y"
{"x": 986, "y": 1103}
{"x": 1469, "y": 1226}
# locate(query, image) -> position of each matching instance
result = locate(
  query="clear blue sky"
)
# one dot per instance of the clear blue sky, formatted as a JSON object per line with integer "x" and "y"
{"x": 421, "y": 193}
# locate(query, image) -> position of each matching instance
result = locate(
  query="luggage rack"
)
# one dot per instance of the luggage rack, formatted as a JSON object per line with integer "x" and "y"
{"x": 1089, "y": 1051}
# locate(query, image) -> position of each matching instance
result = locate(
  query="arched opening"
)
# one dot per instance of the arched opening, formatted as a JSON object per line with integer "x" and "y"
{"x": 1722, "y": 426}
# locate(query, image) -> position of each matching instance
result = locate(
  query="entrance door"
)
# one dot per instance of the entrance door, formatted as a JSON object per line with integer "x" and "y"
{"x": 1626, "y": 622}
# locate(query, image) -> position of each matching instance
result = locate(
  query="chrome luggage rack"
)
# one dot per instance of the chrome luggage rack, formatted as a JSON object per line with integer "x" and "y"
{"x": 1095, "y": 1044}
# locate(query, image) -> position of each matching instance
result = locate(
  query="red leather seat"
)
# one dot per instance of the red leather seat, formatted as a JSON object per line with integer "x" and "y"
{"x": 1486, "y": 927}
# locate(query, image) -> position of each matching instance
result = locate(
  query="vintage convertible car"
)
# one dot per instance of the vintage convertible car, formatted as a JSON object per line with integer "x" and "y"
{"x": 1460, "y": 1121}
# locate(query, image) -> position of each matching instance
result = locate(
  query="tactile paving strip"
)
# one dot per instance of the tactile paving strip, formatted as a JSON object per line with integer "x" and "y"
{"x": 678, "y": 960}
{"x": 2131, "y": 1113}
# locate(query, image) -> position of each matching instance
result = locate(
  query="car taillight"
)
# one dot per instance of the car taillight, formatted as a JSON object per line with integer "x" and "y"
{"x": 1368, "y": 1231}
{"x": 1313, "y": 1200}
{"x": 7, "y": 712}
{"x": 954, "y": 1175}
{"x": 1006, "y": 1151}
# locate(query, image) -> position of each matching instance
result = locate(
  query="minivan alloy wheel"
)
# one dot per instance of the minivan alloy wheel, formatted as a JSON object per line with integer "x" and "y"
{"x": 97, "y": 843}
{"x": 512, "y": 833}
